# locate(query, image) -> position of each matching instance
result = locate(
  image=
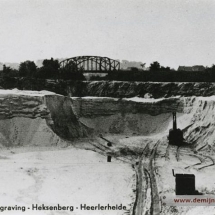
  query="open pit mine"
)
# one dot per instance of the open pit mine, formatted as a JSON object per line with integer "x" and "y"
{"x": 104, "y": 155}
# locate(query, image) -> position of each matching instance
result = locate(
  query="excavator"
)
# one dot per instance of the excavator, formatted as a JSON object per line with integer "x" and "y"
{"x": 175, "y": 134}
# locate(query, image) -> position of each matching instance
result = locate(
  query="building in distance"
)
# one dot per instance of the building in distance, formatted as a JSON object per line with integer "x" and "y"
{"x": 191, "y": 68}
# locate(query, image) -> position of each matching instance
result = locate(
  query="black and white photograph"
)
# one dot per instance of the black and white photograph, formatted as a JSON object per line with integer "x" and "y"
{"x": 107, "y": 107}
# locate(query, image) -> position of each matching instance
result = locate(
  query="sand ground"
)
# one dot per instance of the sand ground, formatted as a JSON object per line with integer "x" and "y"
{"x": 69, "y": 177}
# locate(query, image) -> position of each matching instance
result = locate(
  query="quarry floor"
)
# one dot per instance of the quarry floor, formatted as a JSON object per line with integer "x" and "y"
{"x": 68, "y": 177}
{"x": 155, "y": 159}
{"x": 80, "y": 174}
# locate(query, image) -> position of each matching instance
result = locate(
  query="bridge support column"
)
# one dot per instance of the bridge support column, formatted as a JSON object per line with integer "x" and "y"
{"x": 96, "y": 64}
{"x": 91, "y": 65}
{"x": 100, "y": 65}
{"x": 87, "y": 64}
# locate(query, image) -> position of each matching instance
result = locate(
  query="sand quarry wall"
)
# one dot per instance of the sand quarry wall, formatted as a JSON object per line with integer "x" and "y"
{"x": 49, "y": 119}
{"x": 123, "y": 89}
{"x": 34, "y": 119}
{"x": 121, "y": 116}
{"x": 116, "y": 89}
{"x": 195, "y": 116}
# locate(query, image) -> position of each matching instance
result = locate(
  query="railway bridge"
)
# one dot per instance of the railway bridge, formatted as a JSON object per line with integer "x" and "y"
{"x": 91, "y": 64}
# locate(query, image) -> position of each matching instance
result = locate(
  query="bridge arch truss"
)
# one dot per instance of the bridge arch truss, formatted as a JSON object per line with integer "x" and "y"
{"x": 91, "y": 63}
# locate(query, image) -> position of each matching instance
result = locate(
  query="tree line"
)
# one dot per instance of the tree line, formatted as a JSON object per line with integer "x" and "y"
{"x": 158, "y": 73}
{"x": 50, "y": 70}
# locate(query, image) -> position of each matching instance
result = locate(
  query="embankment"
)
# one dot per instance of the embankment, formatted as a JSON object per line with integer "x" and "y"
{"x": 116, "y": 89}
{"x": 122, "y": 89}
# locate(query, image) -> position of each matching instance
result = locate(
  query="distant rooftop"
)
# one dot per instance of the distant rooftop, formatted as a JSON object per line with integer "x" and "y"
{"x": 191, "y": 68}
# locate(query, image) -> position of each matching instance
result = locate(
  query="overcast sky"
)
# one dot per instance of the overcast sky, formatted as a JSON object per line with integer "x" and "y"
{"x": 172, "y": 32}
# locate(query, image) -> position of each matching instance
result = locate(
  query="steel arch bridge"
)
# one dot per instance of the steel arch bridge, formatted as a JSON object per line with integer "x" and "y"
{"x": 95, "y": 64}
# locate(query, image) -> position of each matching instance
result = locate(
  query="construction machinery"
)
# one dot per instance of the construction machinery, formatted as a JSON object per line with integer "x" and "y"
{"x": 185, "y": 184}
{"x": 175, "y": 134}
